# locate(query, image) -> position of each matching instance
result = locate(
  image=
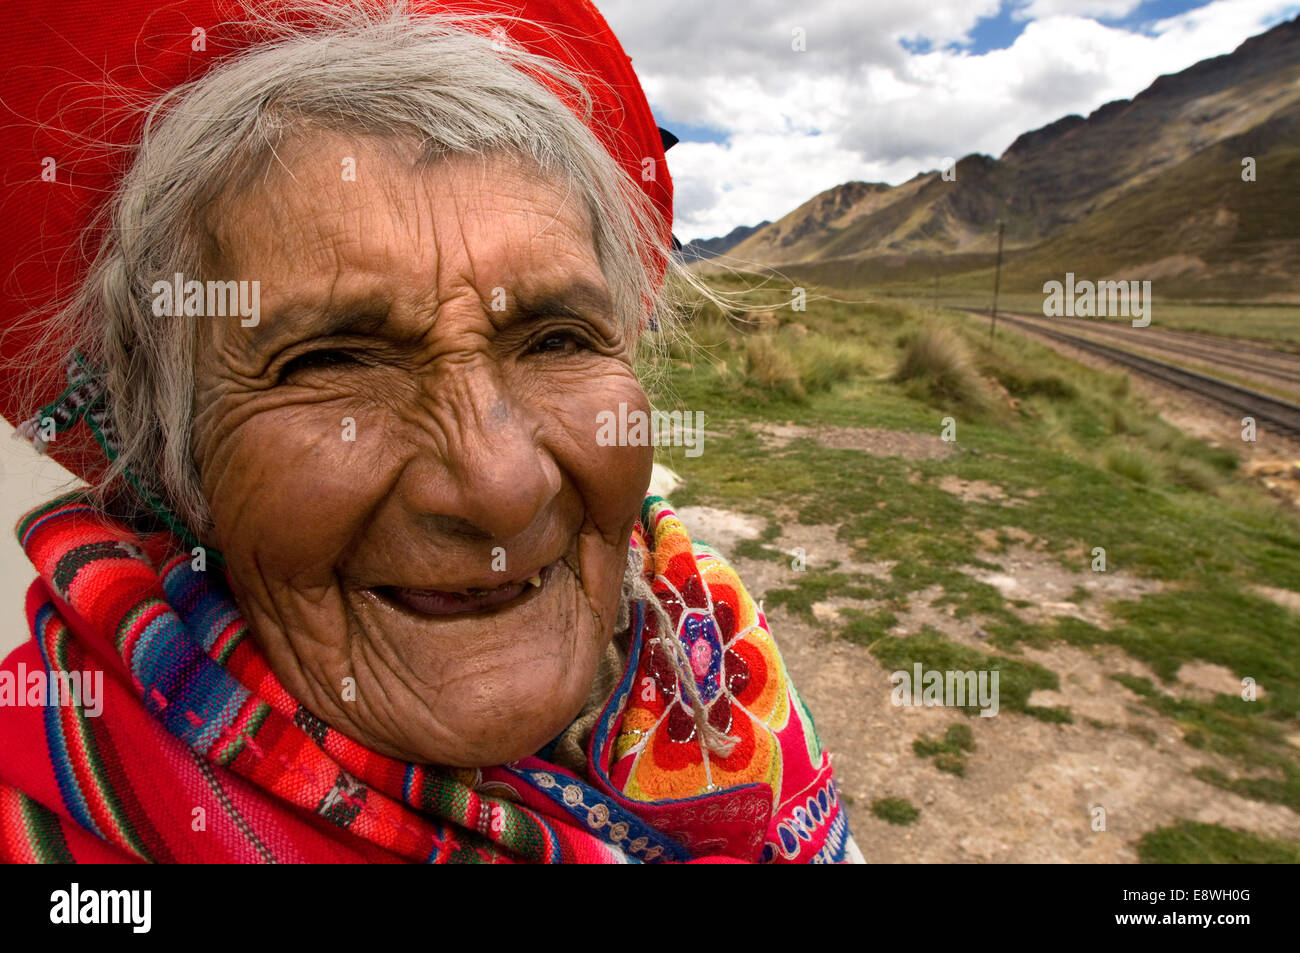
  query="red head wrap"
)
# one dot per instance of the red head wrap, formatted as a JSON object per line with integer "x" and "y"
{"x": 54, "y": 59}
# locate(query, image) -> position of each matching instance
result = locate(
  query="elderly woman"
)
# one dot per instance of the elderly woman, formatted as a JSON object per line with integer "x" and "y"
{"x": 354, "y": 579}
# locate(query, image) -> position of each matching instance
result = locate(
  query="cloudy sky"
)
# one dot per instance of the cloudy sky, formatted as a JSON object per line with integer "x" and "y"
{"x": 887, "y": 88}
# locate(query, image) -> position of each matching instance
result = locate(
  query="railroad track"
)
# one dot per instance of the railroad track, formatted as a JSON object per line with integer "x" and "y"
{"x": 1280, "y": 367}
{"x": 1280, "y": 416}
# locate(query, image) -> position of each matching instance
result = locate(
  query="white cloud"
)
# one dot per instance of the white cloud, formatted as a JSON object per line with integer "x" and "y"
{"x": 1110, "y": 9}
{"x": 883, "y": 114}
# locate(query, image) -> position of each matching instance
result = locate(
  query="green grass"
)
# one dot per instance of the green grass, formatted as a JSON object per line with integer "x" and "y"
{"x": 816, "y": 586}
{"x": 937, "y": 362}
{"x": 956, "y": 739}
{"x": 1084, "y": 461}
{"x": 895, "y": 810}
{"x": 1273, "y": 325}
{"x": 1189, "y": 842}
{"x": 1250, "y": 731}
{"x": 1270, "y": 323}
{"x": 1017, "y": 680}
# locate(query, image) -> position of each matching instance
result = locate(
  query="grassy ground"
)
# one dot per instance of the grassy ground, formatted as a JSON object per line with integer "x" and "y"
{"x": 1088, "y": 466}
{"x": 1277, "y": 325}
{"x": 1192, "y": 843}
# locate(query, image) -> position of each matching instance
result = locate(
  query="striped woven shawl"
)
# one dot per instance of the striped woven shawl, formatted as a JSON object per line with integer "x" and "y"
{"x": 193, "y": 751}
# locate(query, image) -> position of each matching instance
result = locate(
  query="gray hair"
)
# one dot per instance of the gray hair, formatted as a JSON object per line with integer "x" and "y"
{"x": 372, "y": 67}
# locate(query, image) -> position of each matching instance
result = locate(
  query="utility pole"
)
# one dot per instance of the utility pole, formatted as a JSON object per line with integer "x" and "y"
{"x": 936, "y": 290}
{"x": 997, "y": 282}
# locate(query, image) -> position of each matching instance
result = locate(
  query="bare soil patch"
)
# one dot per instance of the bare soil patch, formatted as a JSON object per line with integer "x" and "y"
{"x": 878, "y": 443}
{"x": 1203, "y": 680}
{"x": 1283, "y": 597}
{"x": 977, "y": 491}
{"x": 720, "y": 528}
{"x": 1050, "y": 588}
{"x": 1031, "y": 788}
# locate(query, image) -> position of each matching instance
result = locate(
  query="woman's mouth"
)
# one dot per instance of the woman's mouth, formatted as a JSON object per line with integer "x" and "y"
{"x": 437, "y": 602}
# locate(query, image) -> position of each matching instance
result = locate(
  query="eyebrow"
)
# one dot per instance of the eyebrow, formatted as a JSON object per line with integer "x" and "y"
{"x": 345, "y": 316}
{"x": 580, "y": 299}
{"x": 576, "y": 299}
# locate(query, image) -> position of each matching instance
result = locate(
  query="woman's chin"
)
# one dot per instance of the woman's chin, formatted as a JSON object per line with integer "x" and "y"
{"x": 479, "y": 687}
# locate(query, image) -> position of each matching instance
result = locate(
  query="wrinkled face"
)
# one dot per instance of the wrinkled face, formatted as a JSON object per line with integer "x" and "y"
{"x": 401, "y": 457}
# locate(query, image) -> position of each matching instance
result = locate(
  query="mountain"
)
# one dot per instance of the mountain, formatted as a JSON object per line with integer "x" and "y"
{"x": 1197, "y": 227}
{"x": 702, "y": 248}
{"x": 1151, "y": 181}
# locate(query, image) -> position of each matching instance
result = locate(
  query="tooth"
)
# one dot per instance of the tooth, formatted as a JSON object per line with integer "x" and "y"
{"x": 535, "y": 580}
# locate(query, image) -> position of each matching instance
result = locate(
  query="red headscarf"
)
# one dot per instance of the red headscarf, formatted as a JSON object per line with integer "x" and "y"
{"x": 54, "y": 59}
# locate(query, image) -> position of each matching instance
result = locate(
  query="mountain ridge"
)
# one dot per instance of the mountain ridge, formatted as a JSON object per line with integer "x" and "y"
{"x": 1054, "y": 179}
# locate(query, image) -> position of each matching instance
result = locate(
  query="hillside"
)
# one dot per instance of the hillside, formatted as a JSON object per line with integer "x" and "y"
{"x": 1197, "y": 223}
{"x": 1152, "y": 181}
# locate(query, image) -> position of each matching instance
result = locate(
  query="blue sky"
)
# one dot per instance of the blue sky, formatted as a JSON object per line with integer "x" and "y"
{"x": 883, "y": 89}
{"x": 998, "y": 32}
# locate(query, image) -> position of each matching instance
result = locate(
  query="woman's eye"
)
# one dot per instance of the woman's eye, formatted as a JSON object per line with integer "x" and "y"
{"x": 559, "y": 341}
{"x": 313, "y": 360}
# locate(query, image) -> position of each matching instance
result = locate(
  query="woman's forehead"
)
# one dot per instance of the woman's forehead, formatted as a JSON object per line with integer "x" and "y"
{"x": 362, "y": 231}
{"x": 337, "y": 204}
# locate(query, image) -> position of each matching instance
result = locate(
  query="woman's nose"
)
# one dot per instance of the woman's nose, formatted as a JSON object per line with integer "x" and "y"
{"x": 485, "y": 469}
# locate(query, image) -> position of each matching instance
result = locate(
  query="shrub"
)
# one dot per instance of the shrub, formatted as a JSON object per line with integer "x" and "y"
{"x": 771, "y": 367}
{"x": 937, "y": 359}
{"x": 1131, "y": 466}
{"x": 1194, "y": 474}
{"x": 823, "y": 363}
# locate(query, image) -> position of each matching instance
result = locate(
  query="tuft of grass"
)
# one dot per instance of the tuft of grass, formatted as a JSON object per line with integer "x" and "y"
{"x": 792, "y": 366}
{"x": 895, "y": 810}
{"x": 951, "y": 764}
{"x": 956, "y": 739}
{"x": 1190, "y": 842}
{"x": 824, "y": 362}
{"x": 1194, "y": 474}
{"x": 937, "y": 360}
{"x": 757, "y": 549}
{"x": 1119, "y": 421}
{"x": 1022, "y": 381}
{"x": 947, "y": 754}
{"x": 772, "y": 368}
{"x": 1132, "y": 465}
